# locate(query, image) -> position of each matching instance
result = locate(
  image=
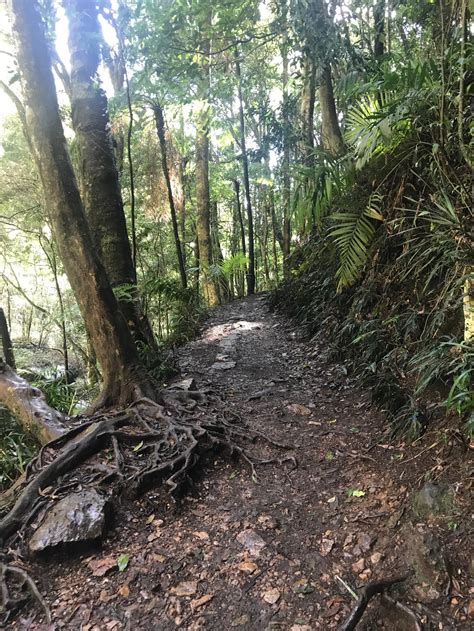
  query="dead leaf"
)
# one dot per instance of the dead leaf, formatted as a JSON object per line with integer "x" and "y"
{"x": 297, "y": 408}
{"x": 159, "y": 558}
{"x": 100, "y": 567}
{"x": 199, "y": 602}
{"x": 124, "y": 591}
{"x": 248, "y": 567}
{"x": 186, "y": 588}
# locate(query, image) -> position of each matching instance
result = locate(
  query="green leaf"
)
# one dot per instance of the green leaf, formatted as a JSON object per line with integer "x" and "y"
{"x": 122, "y": 562}
{"x": 355, "y": 493}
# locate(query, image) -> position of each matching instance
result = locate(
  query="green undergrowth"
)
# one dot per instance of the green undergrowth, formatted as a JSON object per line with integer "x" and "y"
{"x": 398, "y": 325}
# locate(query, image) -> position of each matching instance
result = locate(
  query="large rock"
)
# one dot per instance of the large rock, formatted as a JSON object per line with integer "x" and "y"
{"x": 79, "y": 517}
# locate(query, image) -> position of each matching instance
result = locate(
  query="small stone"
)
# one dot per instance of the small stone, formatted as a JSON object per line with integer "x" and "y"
{"x": 358, "y": 566}
{"x": 252, "y": 541}
{"x": 326, "y": 546}
{"x": 272, "y": 596}
{"x": 201, "y": 535}
{"x": 376, "y": 557}
{"x": 186, "y": 588}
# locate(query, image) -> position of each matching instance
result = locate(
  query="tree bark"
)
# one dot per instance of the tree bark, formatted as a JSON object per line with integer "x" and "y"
{"x": 7, "y": 346}
{"x": 330, "y": 131}
{"x": 307, "y": 111}
{"x": 101, "y": 193}
{"x": 108, "y": 331}
{"x": 203, "y": 224}
{"x": 160, "y": 130}
{"x": 29, "y": 406}
{"x": 286, "y": 190}
{"x": 379, "y": 27}
{"x": 245, "y": 167}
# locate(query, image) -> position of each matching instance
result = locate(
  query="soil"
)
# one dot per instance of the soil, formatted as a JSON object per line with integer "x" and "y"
{"x": 281, "y": 551}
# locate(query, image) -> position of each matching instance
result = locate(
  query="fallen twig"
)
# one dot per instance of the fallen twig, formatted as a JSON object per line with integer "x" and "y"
{"x": 370, "y": 590}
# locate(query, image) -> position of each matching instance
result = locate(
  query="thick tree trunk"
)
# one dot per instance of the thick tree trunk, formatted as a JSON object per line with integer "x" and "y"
{"x": 7, "y": 347}
{"x": 108, "y": 331}
{"x": 160, "y": 130}
{"x": 330, "y": 131}
{"x": 245, "y": 166}
{"x": 101, "y": 193}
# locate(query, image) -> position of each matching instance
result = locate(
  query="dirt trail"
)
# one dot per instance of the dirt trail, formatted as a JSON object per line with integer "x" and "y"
{"x": 262, "y": 554}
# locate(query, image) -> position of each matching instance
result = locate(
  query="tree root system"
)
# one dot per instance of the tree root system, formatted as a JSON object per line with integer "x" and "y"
{"x": 125, "y": 451}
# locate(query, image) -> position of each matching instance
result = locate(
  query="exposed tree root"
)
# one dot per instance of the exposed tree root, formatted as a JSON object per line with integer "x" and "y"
{"x": 131, "y": 449}
{"x": 370, "y": 590}
{"x": 11, "y": 603}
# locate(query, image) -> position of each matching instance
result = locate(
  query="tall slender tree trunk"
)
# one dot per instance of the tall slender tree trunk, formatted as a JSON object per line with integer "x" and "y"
{"x": 108, "y": 331}
{"x": 306, "y": 108}
{"x": 331, "y": 135}
{"x": 160, "y": 130}
{"x": 99, "y": 175}
{"x": 7, "y": 347}
{"x": 245, "y": 166}
{"x": 286, "y": 190}
{"x": 203, "y": 224}
{"x": 238, "y": 209}
{"x": 379, "y": 27}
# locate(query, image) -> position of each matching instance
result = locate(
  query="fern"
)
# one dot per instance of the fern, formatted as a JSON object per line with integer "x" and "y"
{"x": 353, "y": 237}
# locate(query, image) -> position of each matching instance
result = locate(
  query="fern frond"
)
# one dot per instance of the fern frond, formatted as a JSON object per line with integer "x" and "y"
{"x": 353, "y": 236}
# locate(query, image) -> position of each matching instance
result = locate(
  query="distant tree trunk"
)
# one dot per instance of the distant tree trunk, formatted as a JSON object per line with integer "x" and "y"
{"x": 330, "y": 131}
{"x": 286, "y": 191}
{"x": 99, "y": 175}
{"x": 379, "y": 27}
{"x": 245, "y": 165}
{"x": 160, "y": 130}
{"x": 108, "y": 331}
{"x": 218, "y": 256}
{"x": 274, "y": 234}
{"x": 307, "y": 111}
{"x": 238, "y": 208}
{"x": 54, "y": 268}
{"x": 203, "y": 226}
{"x": 7, "y": 346}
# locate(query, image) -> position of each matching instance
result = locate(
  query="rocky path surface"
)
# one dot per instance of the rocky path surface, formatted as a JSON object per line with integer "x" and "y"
{"x": 279, "y": 551}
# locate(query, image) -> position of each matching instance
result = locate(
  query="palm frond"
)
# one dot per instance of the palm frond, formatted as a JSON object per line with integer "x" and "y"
{"x": 353, "y": 236}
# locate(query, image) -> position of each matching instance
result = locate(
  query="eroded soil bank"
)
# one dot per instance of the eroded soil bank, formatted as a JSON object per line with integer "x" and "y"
{"x": 275, "y": 552}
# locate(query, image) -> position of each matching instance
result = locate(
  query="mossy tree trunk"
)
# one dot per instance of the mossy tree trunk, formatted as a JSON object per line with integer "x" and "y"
{"x": 111, "y": 339}
{"x": 101, "y": 193}
{"x": 331, "y": 135}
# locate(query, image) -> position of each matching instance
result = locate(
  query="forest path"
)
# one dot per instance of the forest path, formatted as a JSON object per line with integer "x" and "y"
{"x": 244, "y": 554}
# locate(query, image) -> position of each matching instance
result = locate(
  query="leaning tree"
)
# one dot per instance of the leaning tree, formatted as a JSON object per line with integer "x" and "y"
{"x": 150, "y": 436}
